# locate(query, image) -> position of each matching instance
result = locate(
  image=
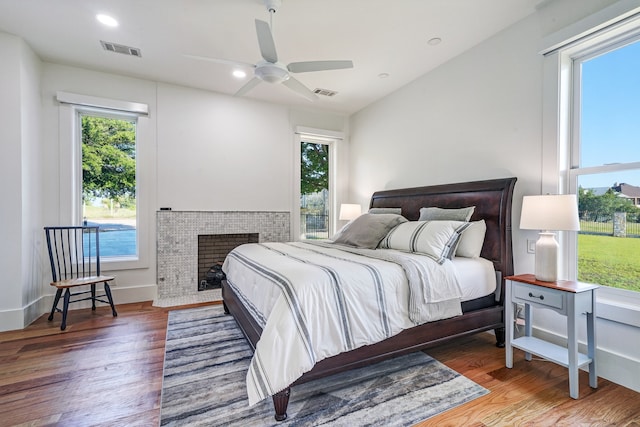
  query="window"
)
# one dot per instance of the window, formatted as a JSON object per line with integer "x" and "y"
{"x": 106, "y": 168}
{"x": 605, "y": 163}
{"x": 315, "y": 194}
{"x": 590, "y": 148}
{"x": 108, "y": 185}
{"x": 316, "y": 156}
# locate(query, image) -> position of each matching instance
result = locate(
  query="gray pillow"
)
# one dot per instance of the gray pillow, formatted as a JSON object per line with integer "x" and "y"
{"x": 440, "y": 214}
{"x": 397, "y": 211}
{"x": 367, "y": 230}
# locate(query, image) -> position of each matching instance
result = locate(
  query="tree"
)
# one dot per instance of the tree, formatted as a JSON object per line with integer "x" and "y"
{"x": 602, "y": 208}
{"x": 108, "y": 159}
{"x": 314, "y": 168}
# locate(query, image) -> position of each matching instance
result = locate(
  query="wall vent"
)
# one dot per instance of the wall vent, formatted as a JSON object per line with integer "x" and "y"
{"x": 119, "y": 48}
{"x": 325, "y": 92}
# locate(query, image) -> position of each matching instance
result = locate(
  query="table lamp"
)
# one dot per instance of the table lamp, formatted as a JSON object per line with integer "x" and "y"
{"x": 549, "y": 213}
{"x": 349, "y": 211}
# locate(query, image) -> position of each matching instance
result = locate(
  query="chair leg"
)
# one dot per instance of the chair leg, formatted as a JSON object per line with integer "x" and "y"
{"x": 65, "y": 308}
{"x": 55, "y": 303}
{"x": 93, "y": 297}
{"x": 107, "y": 290}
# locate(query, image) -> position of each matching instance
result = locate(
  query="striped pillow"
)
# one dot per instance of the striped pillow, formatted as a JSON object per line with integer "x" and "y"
{"x": 437, "y": 239}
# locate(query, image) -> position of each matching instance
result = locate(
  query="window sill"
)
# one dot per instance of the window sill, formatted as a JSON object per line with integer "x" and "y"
{"x": 618, "y": 305}
{"x": 123, "y": 263}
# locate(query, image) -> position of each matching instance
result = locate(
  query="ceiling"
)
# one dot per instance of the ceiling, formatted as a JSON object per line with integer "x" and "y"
{"x": 382, "y": 37}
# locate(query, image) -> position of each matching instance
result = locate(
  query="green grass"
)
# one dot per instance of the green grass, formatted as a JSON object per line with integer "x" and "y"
{"x": 609, "y": 261}
{"x": 99, "y": 212}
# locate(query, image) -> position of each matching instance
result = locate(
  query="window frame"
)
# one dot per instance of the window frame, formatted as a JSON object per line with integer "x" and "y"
{"x": 560, "y": 151}
{"x": 71, "y": 108}
{"x": 317, "y": 136}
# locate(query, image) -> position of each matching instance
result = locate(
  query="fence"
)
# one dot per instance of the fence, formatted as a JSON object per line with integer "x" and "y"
{"x": 603, "y": 224}
{"x": 314, "y": 226}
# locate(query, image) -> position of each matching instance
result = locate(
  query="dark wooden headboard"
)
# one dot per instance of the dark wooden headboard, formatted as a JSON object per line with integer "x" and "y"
{"x": 492, "y": 199}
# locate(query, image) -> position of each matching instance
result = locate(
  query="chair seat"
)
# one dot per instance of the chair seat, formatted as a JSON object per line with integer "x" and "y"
{"x": 89, "y": 280}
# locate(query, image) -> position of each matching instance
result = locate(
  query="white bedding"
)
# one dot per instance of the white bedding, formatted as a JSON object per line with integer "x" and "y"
{"x": 476, "y": 276}
{"x": 322, "y": 301}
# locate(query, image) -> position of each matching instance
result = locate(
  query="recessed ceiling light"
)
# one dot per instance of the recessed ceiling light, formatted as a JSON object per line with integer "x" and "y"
{"x": 107, "y": 20}
{"x": 434, "y": 41}
{"x": 239, "y": 74}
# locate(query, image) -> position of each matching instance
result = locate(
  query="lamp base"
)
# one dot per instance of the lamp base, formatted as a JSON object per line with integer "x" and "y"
{"x": 547, "y": 257}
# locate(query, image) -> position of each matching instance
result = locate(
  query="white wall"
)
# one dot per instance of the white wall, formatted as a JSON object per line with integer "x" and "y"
{"x": 479, "y": 116}
{"x": 217, "y": 152}
{"x": 21, "y": 192}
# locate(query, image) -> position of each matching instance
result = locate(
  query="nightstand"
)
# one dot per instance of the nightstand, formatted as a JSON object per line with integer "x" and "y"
{"x": 566, "y": 297}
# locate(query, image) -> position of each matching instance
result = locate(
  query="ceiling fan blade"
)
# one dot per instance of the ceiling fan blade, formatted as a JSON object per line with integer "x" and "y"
{"x": 300, "y": 89}
{"x": 221, "y": 61}
{"x": 248, "y": 86}
{"x": 265, "y": 40}
{"x": 304, "y": 67}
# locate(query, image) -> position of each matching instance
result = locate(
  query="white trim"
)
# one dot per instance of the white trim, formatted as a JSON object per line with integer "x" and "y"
{"x": 608, "y": 18}
{"x": 618, "y": 305}
{"x": 102, "y": 103}
{"x": 20, "y": 318}
{"x": 322, "y": 134}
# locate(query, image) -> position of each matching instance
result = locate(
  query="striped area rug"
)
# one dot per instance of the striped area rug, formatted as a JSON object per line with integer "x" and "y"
{"x": 207, "y": 357}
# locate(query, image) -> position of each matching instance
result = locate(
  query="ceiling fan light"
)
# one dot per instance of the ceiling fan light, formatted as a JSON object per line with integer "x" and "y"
{"x": 239, "y": 74}
{"x": 272, "y": 73}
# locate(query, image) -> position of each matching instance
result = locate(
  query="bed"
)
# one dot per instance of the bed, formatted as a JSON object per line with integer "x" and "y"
{"x": 492, "y": 202}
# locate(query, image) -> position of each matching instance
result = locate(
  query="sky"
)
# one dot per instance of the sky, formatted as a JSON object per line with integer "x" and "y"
{"x": 610, "y": 110}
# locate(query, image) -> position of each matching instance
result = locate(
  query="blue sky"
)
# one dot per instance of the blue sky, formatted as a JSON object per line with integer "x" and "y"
{"x": 611, "y": 114}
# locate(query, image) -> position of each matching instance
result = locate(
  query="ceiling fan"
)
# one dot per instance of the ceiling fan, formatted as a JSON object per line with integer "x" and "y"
{"x": 269, "y": 69}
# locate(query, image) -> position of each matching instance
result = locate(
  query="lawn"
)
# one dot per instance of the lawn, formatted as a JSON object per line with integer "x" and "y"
{"x": 609, "y": 261}
{"x": 99, "y": 212}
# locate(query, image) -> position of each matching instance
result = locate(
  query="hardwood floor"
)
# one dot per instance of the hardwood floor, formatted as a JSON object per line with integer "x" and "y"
{"x": 105, "y": 371}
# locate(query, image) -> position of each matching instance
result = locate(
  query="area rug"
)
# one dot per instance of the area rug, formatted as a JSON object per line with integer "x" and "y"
{"x": 206, "y": 361}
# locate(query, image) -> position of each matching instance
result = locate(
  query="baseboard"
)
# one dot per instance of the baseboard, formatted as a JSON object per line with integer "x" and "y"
{"x": 21, "y": 317}
{"x": 614, "y": 367}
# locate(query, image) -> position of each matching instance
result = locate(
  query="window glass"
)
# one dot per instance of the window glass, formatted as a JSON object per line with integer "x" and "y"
{"x": 610, "y": 107}
{"x": 109, "y": 182}
{"x": 315, "y": 206}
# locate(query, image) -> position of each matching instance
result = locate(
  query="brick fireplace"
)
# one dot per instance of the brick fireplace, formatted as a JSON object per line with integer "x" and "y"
{"x": 213, "y": 249}
{"x": 177, "y": 242}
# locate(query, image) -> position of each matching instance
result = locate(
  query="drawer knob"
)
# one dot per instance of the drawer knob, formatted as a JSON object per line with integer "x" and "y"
{"x": 536, "y": 296}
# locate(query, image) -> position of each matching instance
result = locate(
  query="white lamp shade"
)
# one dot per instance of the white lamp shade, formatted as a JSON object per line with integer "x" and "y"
{"x": 550, "y": 212}
{"x": 349, "y": 211}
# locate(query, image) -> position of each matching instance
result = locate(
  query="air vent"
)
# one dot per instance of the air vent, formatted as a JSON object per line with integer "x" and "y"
{"x": 325, "y": 92}
{"x": 118, "y": 48}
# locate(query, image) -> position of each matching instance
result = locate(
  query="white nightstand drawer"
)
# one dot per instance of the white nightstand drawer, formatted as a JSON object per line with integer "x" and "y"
{"x": 539, "y": 295}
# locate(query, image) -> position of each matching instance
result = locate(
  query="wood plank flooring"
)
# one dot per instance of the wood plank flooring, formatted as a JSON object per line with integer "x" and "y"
{"x": 106, "y": 371}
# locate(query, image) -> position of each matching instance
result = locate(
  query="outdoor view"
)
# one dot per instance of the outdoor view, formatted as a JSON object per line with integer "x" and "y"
{"x": 314, "y": 191}
{"x": 609, "y": 172}
{"x": 109, "y": 182}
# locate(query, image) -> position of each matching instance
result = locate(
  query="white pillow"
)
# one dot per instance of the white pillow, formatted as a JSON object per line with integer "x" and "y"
{"x": 397, "y": 211}
{"x": 437, "y": 239}
{"x": 472, "y": 239}
{"x": 446, "y": 214}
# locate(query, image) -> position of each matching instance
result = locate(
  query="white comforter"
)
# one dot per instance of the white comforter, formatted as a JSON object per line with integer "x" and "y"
{"x": 331, "y": 299}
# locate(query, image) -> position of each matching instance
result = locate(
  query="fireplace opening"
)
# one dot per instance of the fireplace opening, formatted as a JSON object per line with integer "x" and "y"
{"x": 212, "y": 250}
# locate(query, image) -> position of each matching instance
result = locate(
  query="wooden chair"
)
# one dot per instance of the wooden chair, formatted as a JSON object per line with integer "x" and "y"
{"x": 74, "y": 253}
